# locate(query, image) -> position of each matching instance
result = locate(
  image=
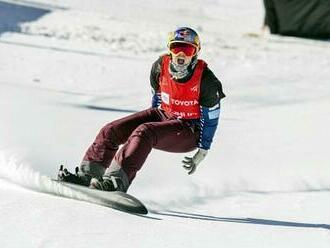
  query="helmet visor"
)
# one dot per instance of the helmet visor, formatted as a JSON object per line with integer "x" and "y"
{"x": 187, "y": 49}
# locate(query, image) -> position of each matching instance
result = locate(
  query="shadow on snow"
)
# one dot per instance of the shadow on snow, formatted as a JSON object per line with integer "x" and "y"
{"x": 12, "y": 15}
{"x": 254, "y": 221}
{"x": 92, "y": 107}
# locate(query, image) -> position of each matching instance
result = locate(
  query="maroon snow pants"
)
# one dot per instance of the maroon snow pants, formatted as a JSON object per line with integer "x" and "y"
{"x": 139, "y": 133}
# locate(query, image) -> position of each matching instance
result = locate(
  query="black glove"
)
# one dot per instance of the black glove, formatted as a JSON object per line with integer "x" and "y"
{"x": 66, "y": 176}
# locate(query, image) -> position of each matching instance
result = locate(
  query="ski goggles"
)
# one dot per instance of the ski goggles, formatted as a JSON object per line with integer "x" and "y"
{"x": 187, "y": 49}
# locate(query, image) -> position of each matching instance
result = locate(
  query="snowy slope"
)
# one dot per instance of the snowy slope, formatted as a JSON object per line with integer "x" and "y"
{"x": 266, "y": 181}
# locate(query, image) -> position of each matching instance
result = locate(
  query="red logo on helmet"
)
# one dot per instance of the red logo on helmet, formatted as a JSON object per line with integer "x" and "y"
{"x": 184, "y": 33}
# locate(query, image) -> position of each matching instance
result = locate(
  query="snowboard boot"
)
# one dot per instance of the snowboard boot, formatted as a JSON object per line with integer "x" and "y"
{"x": 83, "y": 174}
{"x": 114, "y": 179}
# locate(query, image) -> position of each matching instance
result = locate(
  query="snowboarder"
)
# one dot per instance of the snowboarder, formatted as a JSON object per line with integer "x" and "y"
{"x": 183, "y": 117}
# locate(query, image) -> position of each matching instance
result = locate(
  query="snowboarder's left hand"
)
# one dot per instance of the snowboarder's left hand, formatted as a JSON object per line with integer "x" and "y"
{"x": 191, "y": 163}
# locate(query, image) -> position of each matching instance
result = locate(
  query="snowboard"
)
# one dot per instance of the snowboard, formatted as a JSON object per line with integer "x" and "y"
{"x": 116, "y": 199}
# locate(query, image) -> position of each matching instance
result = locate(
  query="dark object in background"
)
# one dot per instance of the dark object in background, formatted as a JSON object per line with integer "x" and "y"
{"x": 301, "y": 18}
{"x": 14, "y": 14}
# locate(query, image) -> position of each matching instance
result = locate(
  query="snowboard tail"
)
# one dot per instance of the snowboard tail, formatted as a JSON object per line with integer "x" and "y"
{"x": 113, "y": 199}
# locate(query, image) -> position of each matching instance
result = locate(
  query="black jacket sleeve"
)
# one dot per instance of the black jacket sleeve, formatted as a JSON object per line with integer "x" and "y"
{"x": 155, "y": 73}
{"x": 211, "y": 89}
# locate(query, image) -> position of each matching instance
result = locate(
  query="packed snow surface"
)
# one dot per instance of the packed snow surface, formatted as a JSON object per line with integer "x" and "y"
{"x": 68, "y": 67}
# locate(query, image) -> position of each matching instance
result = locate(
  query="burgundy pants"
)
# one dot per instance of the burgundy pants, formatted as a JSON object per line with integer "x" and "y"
{"x": 140, "y": 132}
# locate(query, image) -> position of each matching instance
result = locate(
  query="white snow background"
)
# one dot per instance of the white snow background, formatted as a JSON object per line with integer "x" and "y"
{"x": 67, "y": 67}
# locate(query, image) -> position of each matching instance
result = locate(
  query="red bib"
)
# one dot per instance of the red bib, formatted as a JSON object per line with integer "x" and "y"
{"x": 181, "y": 99}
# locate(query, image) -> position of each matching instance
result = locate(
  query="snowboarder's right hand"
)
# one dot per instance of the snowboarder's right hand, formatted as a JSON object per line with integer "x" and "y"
{"x": 77, "y": 178}
{"x": 64, "y": 175}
